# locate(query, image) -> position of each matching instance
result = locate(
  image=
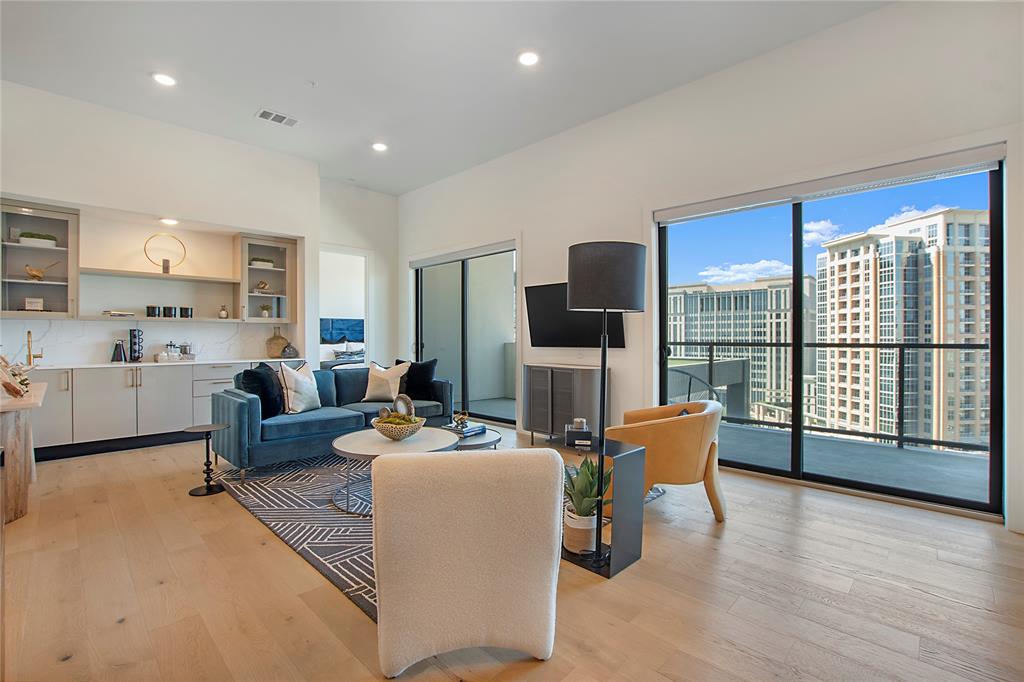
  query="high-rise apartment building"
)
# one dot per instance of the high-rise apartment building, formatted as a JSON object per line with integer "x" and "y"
{"x": 751, "y": 311}
{"x": 921, "y": 280}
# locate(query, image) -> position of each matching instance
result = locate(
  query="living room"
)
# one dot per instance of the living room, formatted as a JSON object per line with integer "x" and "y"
{"x": 228, "y": 226}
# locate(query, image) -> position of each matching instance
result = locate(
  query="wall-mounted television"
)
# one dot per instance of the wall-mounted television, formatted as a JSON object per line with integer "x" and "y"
{"x": 553, "y": 325}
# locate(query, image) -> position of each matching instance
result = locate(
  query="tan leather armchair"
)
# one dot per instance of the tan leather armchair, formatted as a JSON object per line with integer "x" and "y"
{"x": 681, "y": 448}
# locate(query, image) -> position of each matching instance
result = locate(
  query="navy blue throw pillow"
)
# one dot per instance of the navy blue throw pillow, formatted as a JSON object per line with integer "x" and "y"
{"x": 418, "y": 382}
{"x": 263, "y": 381}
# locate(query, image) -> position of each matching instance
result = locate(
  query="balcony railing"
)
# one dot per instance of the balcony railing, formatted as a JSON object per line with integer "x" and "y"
{"x": 707, "y": 367}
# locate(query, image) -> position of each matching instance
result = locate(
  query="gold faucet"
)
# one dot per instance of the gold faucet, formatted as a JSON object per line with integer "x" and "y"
{"x": 32, "y": 357}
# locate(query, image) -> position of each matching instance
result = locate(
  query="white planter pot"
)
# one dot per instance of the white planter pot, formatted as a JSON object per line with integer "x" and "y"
{"x": 578, "y": 532}
{"x": 32, "y": 241}
{"x": 265, "y": 313}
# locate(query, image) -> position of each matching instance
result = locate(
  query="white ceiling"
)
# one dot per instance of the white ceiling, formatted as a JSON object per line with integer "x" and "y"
{"x": 438, "y": 82}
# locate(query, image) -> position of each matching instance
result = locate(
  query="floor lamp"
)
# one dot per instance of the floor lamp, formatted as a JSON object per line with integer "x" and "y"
{"x": 606, "y": 277}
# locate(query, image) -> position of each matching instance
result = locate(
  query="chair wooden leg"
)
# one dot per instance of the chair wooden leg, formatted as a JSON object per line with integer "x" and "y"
{"x": 713, "y": 485}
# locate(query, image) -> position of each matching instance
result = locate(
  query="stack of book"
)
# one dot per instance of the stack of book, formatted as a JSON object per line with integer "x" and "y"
{"x": 466, "y": 429}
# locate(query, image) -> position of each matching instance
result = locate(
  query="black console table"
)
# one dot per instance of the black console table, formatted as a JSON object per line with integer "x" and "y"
{"x": 627, "y": 462}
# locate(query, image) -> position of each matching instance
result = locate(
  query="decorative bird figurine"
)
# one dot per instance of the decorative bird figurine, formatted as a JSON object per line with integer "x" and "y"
{"x": 38, "y": 273}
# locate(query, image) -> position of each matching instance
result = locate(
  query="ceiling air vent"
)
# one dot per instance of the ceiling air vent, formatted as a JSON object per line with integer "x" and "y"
{"x": 276, "y": 117}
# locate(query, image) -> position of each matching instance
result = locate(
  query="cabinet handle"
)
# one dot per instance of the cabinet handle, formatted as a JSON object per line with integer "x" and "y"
{"x": 66, "y": 384}
{"x": 228, "y": 381}
{"x": 220, "y": 366}
{"x": 131, "y": 373}
{"x": 139, "y": 370}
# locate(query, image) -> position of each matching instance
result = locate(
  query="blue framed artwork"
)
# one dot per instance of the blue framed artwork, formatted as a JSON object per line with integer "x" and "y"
{"x": 338, "y": 329}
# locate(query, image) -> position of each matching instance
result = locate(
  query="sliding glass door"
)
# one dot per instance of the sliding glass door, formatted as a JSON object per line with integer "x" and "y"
{"x": 883, "y": 371}
{"x": 466, "y": 318}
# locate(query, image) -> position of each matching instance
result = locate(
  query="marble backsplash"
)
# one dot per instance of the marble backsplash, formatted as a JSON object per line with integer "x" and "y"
{"x": 86, "y": 341}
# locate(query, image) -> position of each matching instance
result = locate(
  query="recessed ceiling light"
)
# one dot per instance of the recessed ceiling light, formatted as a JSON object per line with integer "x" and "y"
{"x": 528, "y": 58}
{"x": 169, "y": 221}
{"x": 379, "y": 147}
{"x": 164, "y": 79}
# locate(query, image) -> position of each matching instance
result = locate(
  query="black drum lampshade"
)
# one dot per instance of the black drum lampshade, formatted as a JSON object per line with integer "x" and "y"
{"x": 607, "y": 276}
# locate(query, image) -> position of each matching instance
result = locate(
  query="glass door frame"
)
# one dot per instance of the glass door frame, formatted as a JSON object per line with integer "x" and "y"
{"x": 798, "y": 344}
{"x": 464, "y": 324}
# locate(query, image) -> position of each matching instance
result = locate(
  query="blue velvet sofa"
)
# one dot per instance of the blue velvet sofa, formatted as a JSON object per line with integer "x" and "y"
{"x": 252, "y": 441}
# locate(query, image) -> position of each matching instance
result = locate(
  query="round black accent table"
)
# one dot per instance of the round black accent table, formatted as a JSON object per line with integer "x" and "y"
{"x": 210, "y": 488}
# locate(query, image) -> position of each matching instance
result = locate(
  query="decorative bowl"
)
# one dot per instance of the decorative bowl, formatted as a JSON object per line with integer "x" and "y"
{"x": 397, "y": 431}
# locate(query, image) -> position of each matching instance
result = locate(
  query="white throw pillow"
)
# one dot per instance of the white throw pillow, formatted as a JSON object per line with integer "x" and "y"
{"x": 327, "y": 350}
{"x": 299, "y": 389}
{"x": 383, "y": 383}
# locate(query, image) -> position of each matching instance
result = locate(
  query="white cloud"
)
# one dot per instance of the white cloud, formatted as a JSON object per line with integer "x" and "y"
{"x": 732, "y": 273}
{"x": 818, "y": 231}
{"x": 906, "y": 213}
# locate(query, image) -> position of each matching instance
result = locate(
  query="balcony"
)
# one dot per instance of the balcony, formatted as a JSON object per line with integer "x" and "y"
{"x": 850, "y": 446}
{"x": 938, "y": 472}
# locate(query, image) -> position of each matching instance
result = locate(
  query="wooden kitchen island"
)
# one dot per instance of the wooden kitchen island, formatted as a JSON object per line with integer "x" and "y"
{"x": 19, "y": 457}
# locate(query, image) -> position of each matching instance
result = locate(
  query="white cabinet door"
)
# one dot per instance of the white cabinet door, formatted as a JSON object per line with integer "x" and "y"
{"x": 104, "y": 403}
{"x": 202, "y": 410}
{"x": 165, "y": 399}
{"x": 51, "y": 423}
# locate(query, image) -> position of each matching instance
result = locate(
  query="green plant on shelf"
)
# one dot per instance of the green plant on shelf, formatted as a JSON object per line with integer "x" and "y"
{"x": 37, "y": 235}
{"x": 266, "y": 307}
{"x": 581, "y": 487}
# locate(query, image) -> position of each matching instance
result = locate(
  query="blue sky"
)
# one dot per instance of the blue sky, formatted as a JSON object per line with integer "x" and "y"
{"x": 738, "y": 247}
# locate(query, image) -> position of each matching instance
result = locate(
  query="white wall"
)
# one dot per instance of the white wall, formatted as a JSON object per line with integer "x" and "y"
{"x": 342, "y": 285}
{"x": 361, "y": 222}
{"x": 906, "y": 81}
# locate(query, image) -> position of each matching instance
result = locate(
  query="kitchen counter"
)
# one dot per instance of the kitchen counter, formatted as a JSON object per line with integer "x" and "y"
{"x": 150, "y": 363}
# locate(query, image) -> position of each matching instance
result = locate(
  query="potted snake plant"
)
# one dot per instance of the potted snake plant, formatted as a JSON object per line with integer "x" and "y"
{"x": 579, "y": 521}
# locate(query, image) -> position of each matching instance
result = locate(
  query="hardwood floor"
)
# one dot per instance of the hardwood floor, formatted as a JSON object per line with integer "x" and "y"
{"x": 116, "y": 573}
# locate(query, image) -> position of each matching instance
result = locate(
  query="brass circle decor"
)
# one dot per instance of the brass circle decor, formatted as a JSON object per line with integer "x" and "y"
{"x": 158, "y": 263}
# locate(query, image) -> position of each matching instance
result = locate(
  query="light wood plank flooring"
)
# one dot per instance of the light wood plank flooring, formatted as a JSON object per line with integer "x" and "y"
{"x": 116, "y": 573}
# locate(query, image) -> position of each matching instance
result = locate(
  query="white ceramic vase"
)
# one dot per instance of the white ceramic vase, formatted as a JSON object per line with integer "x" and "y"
{"x": 578, "y": 532}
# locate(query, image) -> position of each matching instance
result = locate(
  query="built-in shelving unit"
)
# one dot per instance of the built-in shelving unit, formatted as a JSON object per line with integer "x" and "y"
{"x": 267, "y": 287}
{"x": 58, "y": 288}
{"x": 223, "y": 271}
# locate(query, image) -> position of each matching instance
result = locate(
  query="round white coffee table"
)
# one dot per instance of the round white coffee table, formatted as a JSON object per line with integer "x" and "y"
{"x": 367, "y": 445}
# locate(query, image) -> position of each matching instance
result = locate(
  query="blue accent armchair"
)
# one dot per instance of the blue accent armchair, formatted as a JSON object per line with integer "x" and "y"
{"x": 252, "y": 441}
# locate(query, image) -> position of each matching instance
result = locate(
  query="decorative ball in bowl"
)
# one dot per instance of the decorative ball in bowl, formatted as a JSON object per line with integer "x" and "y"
{"x": 397, "y": 426}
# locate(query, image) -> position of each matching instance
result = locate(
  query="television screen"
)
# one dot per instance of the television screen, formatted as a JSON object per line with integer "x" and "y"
{"x": 553, "y": 325}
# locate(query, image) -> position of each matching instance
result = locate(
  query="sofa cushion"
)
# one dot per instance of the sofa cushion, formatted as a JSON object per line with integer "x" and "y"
{"x": 424, "y": 408}
{"x": 350, "y": 384}
{"x": 325, "y": 387}
{"x": 325, "y": 420}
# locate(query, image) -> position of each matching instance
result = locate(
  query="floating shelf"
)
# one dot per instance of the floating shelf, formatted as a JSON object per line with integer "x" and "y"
{"x": 16, "y": 245}
{"x": 157, "y": 275}
{"x": 267, "y": 320}
{"x": 143, "y": 318}
{"x": 257, "y": 268}
{"x": 34, "y": 315}
{"x": 55, "y": 283}
{"x": 253, "y": 293}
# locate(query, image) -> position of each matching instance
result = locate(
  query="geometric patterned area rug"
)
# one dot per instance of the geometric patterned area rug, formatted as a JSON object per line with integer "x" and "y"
{"x": 294, "y": 500}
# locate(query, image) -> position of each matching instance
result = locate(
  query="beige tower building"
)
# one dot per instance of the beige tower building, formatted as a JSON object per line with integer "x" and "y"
{"x": 758, "y": 311}
{"x": 922, "y": 280}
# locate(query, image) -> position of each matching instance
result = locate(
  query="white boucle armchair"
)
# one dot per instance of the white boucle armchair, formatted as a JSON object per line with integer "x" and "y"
{"x": 466, "y": 548}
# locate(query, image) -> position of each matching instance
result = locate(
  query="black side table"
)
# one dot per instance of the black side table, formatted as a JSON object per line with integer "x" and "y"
{"x": 210, "y": 488}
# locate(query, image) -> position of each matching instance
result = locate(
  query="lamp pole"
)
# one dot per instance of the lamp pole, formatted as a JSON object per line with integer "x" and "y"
{"x": 598, "y": 559}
